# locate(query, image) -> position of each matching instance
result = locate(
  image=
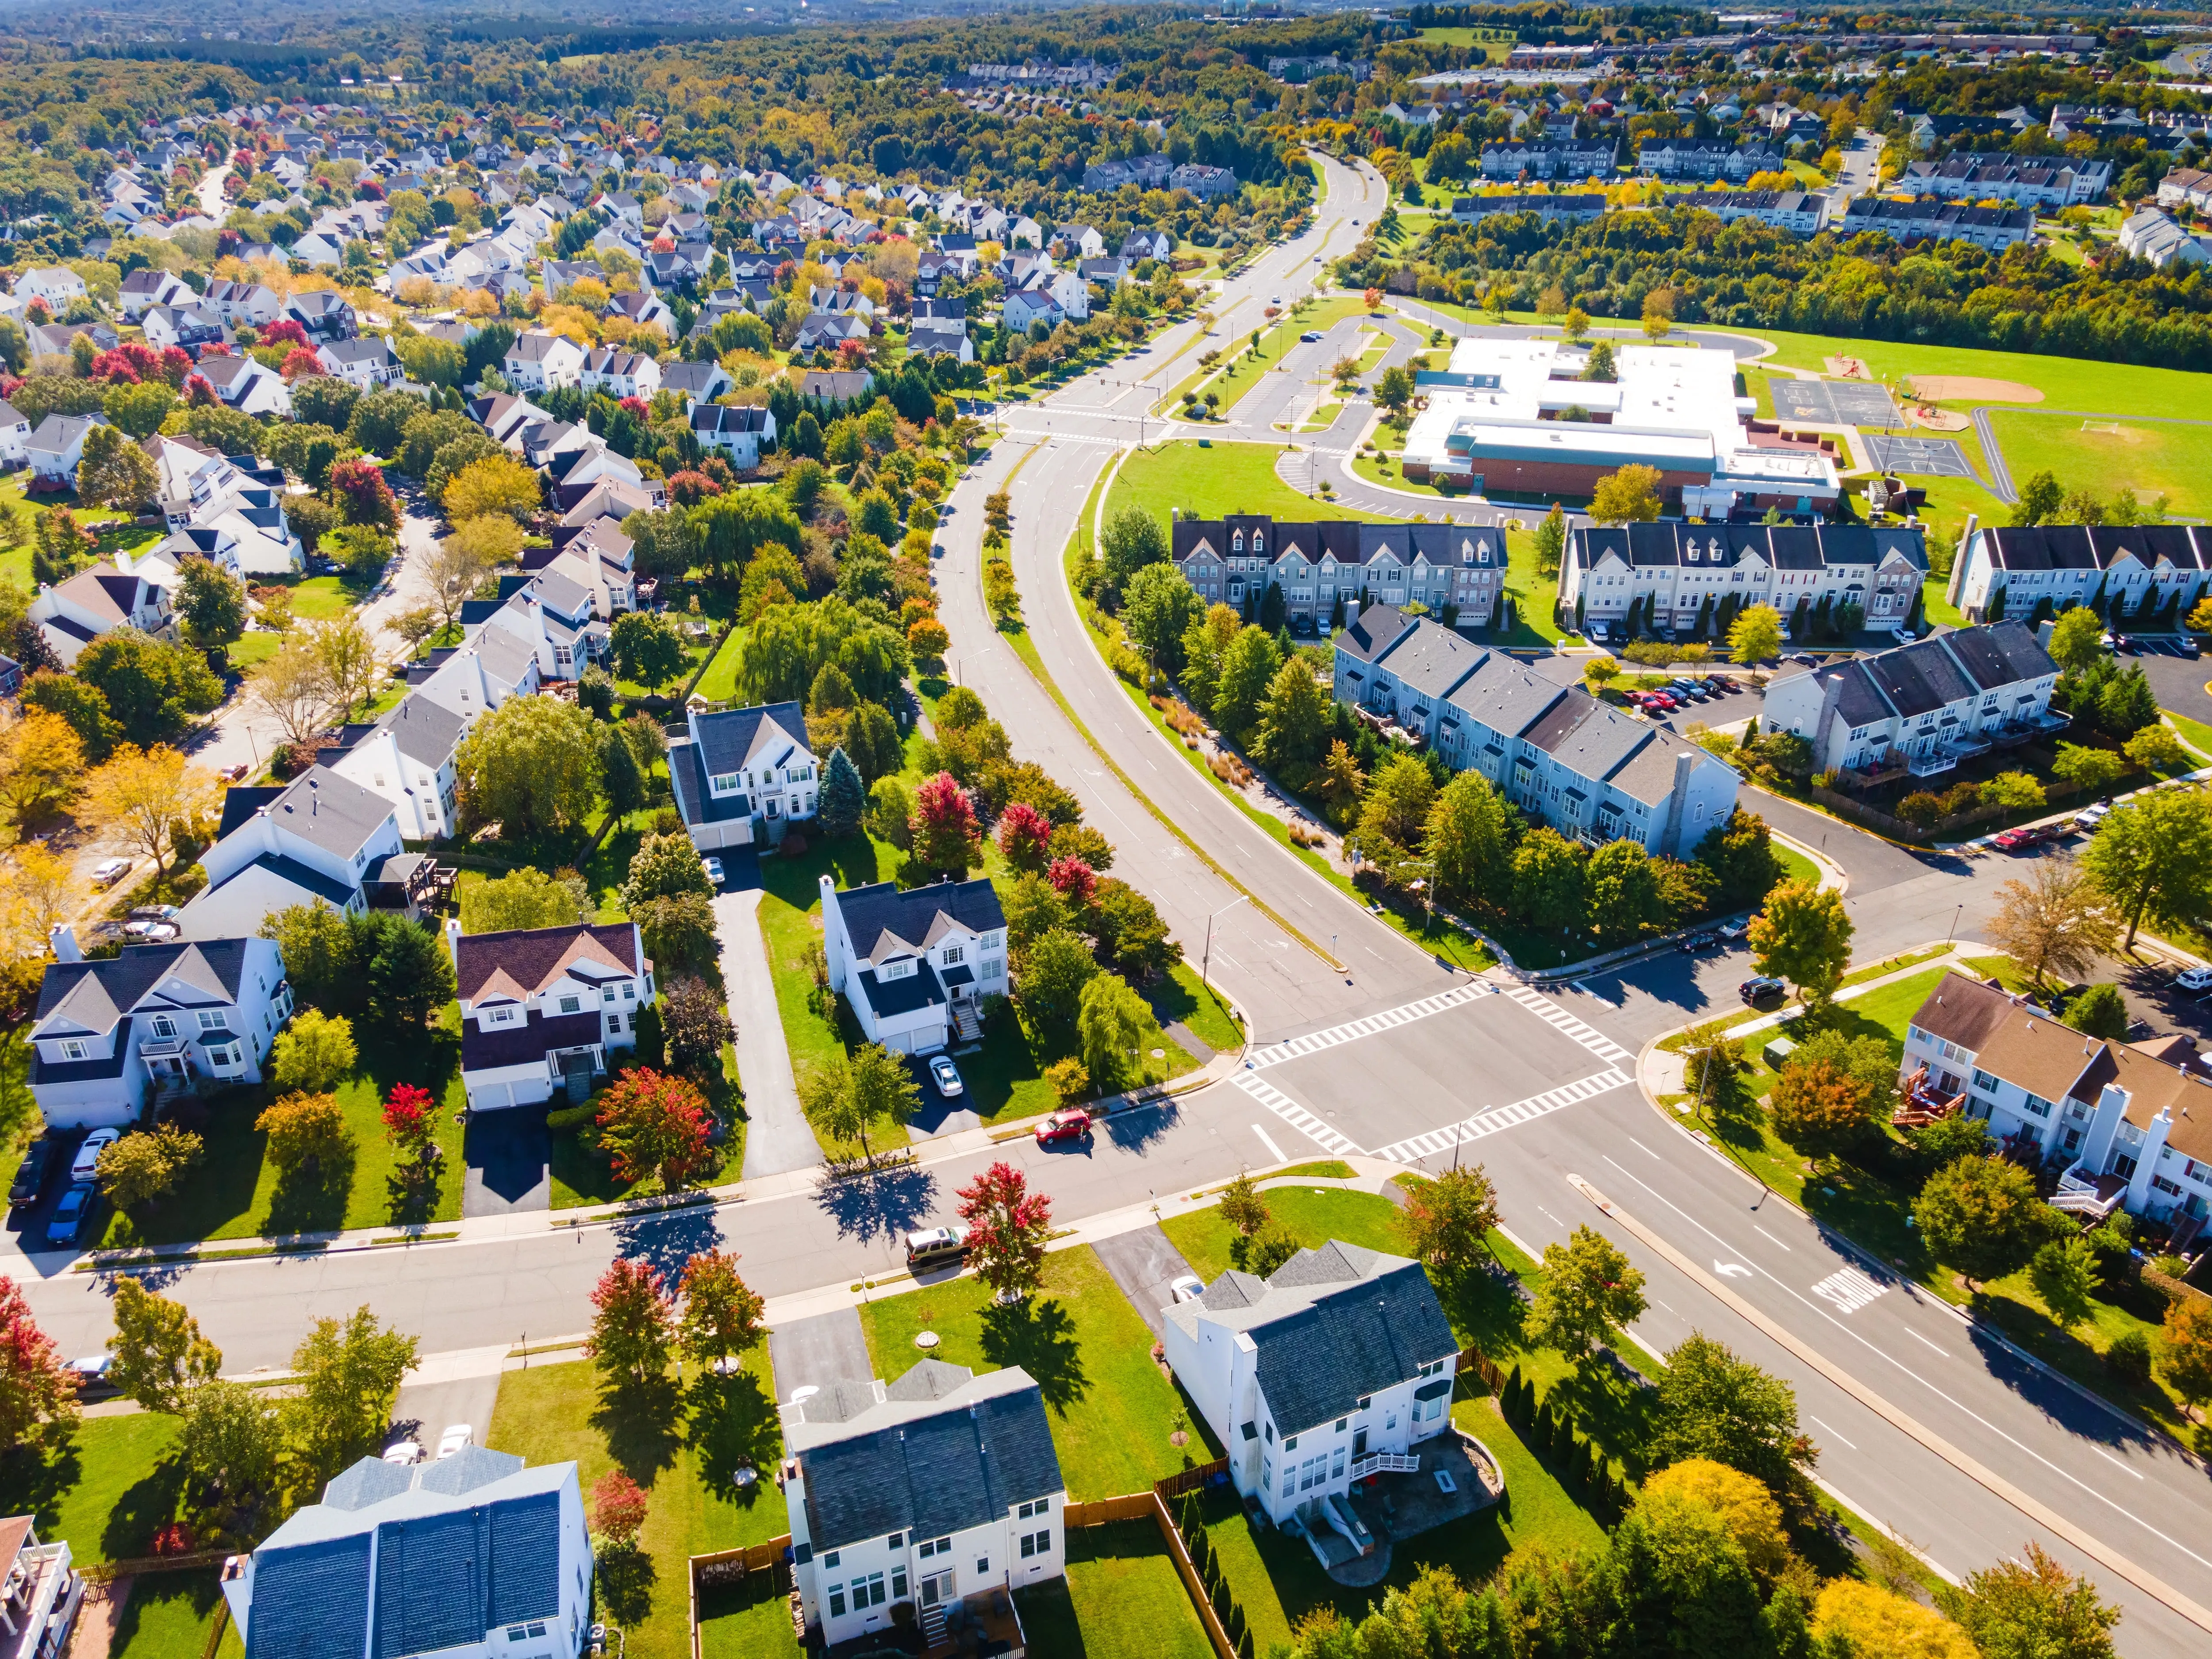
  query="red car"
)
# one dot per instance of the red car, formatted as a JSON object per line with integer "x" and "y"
{"x": 233, "y": 774}
{"x": 1070, "y": 1124}
{"x": 2013, "y": 840}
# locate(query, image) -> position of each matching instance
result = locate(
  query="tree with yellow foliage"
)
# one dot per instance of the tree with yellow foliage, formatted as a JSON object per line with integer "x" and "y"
{"x": 1747, "y": 1509}
{"x": 496, "y": 485}
{"x": 41, "y": 767}
{"x": 1877, "y": 1624}
{"x": 39, "y": 890}
{"x": 147, "y": 798}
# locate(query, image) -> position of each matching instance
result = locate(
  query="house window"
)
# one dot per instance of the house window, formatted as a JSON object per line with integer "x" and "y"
{"x": 982, "y": 1564}
{"x": 499, "y": 1016}
{"x": 837, "y": 1600}
{"x": 830, "y": 1559}
{"x": 572, "y": 1005}
{"x": 954, "y": 955}
{"x": 935, "y": 1546}
{"x": 614, "y": 1025}
{"x": 72, "y": 1050}
{"x": 868, "y": 1592}
{"x": 210, "y": 1020}
{"x": 164, "y": 1026}
{"x": 1036, "y": 1543}
{"x": 898, "y": 1582}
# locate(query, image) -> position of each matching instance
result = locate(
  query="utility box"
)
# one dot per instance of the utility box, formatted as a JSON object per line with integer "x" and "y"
{"x": 1777, "y": 1052}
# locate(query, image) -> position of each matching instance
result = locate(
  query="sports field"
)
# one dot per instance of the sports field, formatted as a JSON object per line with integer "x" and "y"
{"x": 2152, "y": 458}
{"x": 2065, "y": 382}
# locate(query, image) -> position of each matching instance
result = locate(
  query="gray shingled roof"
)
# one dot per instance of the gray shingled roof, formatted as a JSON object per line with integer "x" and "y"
{"x": 91, "y": 996}
{"x": 881, "y": 920}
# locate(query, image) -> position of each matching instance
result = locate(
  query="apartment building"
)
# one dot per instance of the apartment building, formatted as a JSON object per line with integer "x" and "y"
{"x": 1921, "y": 708}
{"x": 2049, "y": 183}
{"x": 1583, "y": 766}
{"x": 1933, "y": 221}
{"x": 1567, "y": 209}
{"x": 1710, "y": 160}
{"x": 1801, "y": 212}
{"x": 2143, "y": 575}
{"x": 1691, "y": 573}
{"x": 1319, "y": 566}
{"x": 1509, "y": 158}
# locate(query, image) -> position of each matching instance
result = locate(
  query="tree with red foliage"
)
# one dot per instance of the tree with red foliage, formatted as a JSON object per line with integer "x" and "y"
{"x": 363, "y": 495}
{"x": 285, "y": 331}
{"x": 409, "y": 1123}
{"x": 301, "y": 361}
{"x": 689, "y": 488}
{"x": 1074, "y": 881}
{"x": 36, "y": 309}
{"x": 654, "y": 1124}
{"x": 368, "y": 189}
{"x": 945, "y": 835}
{"x": 633, "y": 1322}
{"x": 618, "y": 1509}
{"x": 37, "y": 1397}
{"x": 1007, "y": 1227}
{"x": 852, "y": 354}
{"x": 127, "y": 364}
{"x": 227, "y": 242}
{"x": 176, "y": 364}
{"x": 636, "y": 408}
{"x": 214, "y": 349}
{"x": 1023, "y": 833}
{"x": 199, "y": 392}
{"x": 722, "y": 1316}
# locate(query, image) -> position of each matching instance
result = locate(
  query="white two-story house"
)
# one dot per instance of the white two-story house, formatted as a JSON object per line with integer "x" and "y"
{"x": 474, "y": 1556}
{"x": 410, "y": 758}
{"x": 914, "y": 964}
{"x": 742, "y": 774}
{"x": 1922, "y": 708}
{"x": 2127, "y": 1124}
{"x": 311, "y": 842}
{"x": 1585, "y": 767}
{"x": 154, "y": 1018}
{"x": 365, "y": 360}
{"x": 72, "y": 614}
{"x": 538, "y": 361}
{"x": 1314, "y": 1378}
{"x": 541, "y": 1008}
{"x": 940, "y": 1490}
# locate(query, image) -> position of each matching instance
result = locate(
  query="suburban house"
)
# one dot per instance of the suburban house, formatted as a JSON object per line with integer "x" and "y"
{"x": 619, "y": 374}
{"x": 322, "y": 315}
{"x": 315, "y": 840}
{"x": 2144, "y": 574}
{"x": 366, "y": 362}
{"x": 1565, "y": 207}
{"x": 72, "y": 614}
{"x": 1686, "y": 575}
{"x": 1934, "y": 220}
{"x": 473, "y": 1556}
{"x": 188, "y": 327}
{"x": 246, "y": 384}
{"x": 250, "y": 303}
{"x": 410, "y": 758}
{"x": 742, "y": 773}
{"x": 696, "y": 383}
{"x": 1585, "y": 767}
{"x": 143, "y": 289}
{"x": 153, "y": 1020}
{"x": 915, "y": 965}
{"x": 2049, "y": 183}
{"x": 1456, "y": 569}
{"x": 2116, "y": 1118}
{"x": 1339, "y": 1365}
{"x": 934, "y": 336}
{"x": 57, "y": 285}
{"x": 537, "y": 361}
{"x": 227, "y": 508}
{"x": 57, "y": 445}
{"x": 2150, "y": 235}
{"x": 15, "y": 435}
{"x": 737, "y": 433}
{"x": 541, "y": 1007}
{"x": 1708, "y": 160}
{"x": 40, "y": 1592}
{"x": 941, "y": 1490}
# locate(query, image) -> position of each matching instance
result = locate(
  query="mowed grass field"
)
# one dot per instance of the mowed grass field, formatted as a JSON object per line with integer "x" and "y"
{"x": 2065, "y": 382}
{"x": 1226, "y": 477}
{"x": 2152, "y": 458}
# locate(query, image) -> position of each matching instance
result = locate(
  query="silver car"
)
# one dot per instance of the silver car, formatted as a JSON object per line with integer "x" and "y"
{"x": 947, "y": 1076}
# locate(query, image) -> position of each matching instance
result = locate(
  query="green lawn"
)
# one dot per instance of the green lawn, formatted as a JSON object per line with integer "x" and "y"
{"x": 320, "y": 599}
{"x": 750, "y": 1620}
{"x": 1122, "y": 1599}
{"x": 720, "y": 682}
{"x": 170, "y": 1615}
{"x": 106, "y": 1491}
{"x": 1313, "y": 1215}
{"x": 2195, "y": 733}
{"x": 1796, "y": 867}
{"x": 236, "y": 1193}
{"x": 1222, "y": 477}
{"x": 1203, "y": 1010}
{"x": 1112, "y": 1409}
{"x": 2152, "y": 458}
{"x": 682, "y": 1444}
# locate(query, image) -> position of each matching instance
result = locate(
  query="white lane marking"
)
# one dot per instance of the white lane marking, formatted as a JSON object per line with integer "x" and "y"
{"x": 1849, "y": 1289}
{"x": 1917, "y": 1337}
{"x": 1269, "y": 1144}
{"x": 1768, "y": 1236}
{"x": 1294, "y": 1114}
{"x": 1313, "y": 1042}
{"x": 1730, "y": 1269}
{"x": 1491, "y": 1120}
{"x": 2115, "y": 1462}
{"x": 1921, "y": 1378}
{"x": 1847, "y": 1445}
{"x": 1641, "y": 1147}
{"x": 1553, "y": 1015}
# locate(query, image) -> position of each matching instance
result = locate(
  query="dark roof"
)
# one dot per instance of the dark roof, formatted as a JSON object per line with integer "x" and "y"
{"x": 334, "y": 813}
{"x": 241, "y": 802}
{"x": 695, "y": 802}
{"x": 425, "y": 730}
{"x": 930, "y": 1459}
{"x": 1917, "y": 678}
{"x": 1372, "y": 1323}
{"x": 532, "y": 1040}
{"x": 2003, "y": 654}
{"x": 311, "y": 1602}
{"x": 528, "y": 959}
{"x": 919, "y": 916}
{"x": 93, "y": 993}
{"x": 305, "y": 876}
{"x": 1373, "y": 631}
{"x": 919, "y": 989}
{"x": 727, "y": 739}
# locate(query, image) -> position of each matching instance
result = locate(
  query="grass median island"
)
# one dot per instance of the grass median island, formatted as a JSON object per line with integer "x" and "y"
{"x": 682, "y": 1441}
{"x": 1220, "y": 479}
{"x": 1112, "y": 1410}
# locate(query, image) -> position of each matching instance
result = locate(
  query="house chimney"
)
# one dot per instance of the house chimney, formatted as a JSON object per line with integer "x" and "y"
{"x": 63, "y": 943}
{"x": 453, "y": 935}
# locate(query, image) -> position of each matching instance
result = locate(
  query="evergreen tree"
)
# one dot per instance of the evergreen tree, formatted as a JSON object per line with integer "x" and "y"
{"x": 844, "y": 798}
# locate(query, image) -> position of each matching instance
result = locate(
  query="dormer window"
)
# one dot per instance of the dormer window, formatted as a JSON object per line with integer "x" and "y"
{"x": 572, "y": 1005}
{"x": 1236, "y": 543}
{"x": 72, "y": 1050}
{"x": 898, "y": 968}
{"x": 499, "y": 1016}
{"x": 1259, "y": 541}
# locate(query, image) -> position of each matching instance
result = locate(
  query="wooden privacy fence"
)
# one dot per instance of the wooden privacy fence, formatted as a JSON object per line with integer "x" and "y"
{"x": 730, "y": 1567}
{"x": 1134, "y": 1506}
{"x": 101, "y": 1572}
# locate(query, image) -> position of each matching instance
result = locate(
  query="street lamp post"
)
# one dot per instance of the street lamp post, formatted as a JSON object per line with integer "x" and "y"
{"x": 1206, "y": 959}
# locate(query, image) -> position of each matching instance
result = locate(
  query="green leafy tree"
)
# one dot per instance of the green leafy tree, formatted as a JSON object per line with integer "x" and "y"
{"x": 1395, "y": 816}
{"x": 1981, "y": 1216}
{"x": 633, "y": 1323}
{"x": 158, "y": 1355}
{"x": 318, "y": 953}
{"x": 315, "y": 1053}
{"x": 348, "y": 1376}
{"x": 1551, "y": 540}
{"x": 1755, "y": 636}
{"x": 115, "y": 472}
{"x": 2100, "y": 1012}
{"x": 1740, "y": 852}
{"x": 407, "y": 975}
{"x": 305, "y": 1131}
{"x": 2065, "y": 1274}
{"x": 1447, "y": 1221}
{"x": 1157, "y": 606}
{"x": 1465, "y": 839}
{"x": 210, "y": 603}
{"x": 1630, "y": 495}
{"x": 1112, "y": 1022}
{"x": 140, "y": 1170}
{"x": 1549, "y": 879}
{"x": 1133, "y": 539}
{"x": 138, "y": 410}
{"x": 153, "y": 689}
{"x": 622, "y": 780}
{"x": 1624, "y": 896}
{"x": 2155, "y": 749}
{"x": 2154, "y": 857}
{"x": 1714, "y": 1405}
{"x": 2032, "y": 1608}
{"x": 2040, "y": 501}
{"x": 722, "y": 1319}
{"x": 646, "y": 649}
{"x": 232, "y": 1436}
{"x": 2089, "y": 769}
{"x": 531, "y": 765}
{"x": 664, "y": 865}
{"x": 1054, "y": 969}
{"x": 2077, "y": 640}
{"x": 1803, "y": 936}
{"x": 1587, "y": 1286}
{"x": 697, "y": 1026}
{"x": 1295, "y": 719}
{"x": 1247, "y": 668}
{"x": 525, "y": 898}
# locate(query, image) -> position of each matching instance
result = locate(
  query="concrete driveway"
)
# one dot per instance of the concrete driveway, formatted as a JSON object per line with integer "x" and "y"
{"x": 425, "y": 1410}
{"x": 817, "y": 1351}
{"x": 1144, "y": 1264}
{"x": 777, "y": 1137}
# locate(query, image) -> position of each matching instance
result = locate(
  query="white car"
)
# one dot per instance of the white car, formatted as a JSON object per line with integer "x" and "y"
{"x": 85, "y": 1165}
{"x": 2194, "y": 979}
{"x": 1188, "y": 1288}
{"x": 947, "y": 1076}
{"x": 457, "y": 1436}
{"x": 713, "y": 868}
{"x": 1903, "y": 636}
{"x": 404, "y": 1452}
{"x": 2090, "y": 816}
{"x": 108, "y": 872}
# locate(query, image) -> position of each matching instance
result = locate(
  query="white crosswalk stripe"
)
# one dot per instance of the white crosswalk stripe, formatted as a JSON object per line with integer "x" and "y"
{"x": 1313, "y": 1042}
{"x": 1849, "y": 1289}
{"x": 1552, "y": 1014}
{"x": 1415, "y": 1147}
{"x": 1295, "y": 1114}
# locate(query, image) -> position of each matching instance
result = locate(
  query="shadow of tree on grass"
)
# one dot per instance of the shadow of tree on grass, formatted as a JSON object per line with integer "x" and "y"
{"x": 1037, "y": 1335}
{"x": 642, "y": 1424}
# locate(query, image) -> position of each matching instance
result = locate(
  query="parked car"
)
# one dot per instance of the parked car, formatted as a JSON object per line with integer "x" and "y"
{"x": 1069, "y": 1123}
{"x": 1720, "y": 685}
{"x": 1738, "y": 929}
{"x": 31, "y": 1174}
{"x": 1308, "y": 338}
{"x": 1760, "y": 988}
{"x": 2126, "y": 644}
{"x": 157, "y": 930}
{"x": 88, "y": 1375}
{"x": 947, "y": 1076}
{"x": 934, "y": 1245}
{"x": 2090, "y": 816}
{"x": 2013, "y": 840}
{"x": 2194, "y": 979}
{"x": 2186, "y": 645}
{"x": 86, "y": 1164}
{"x": 1902, "y": 635}
{"x": 713, "y": 868}
{"x": 1696, "y": 942}
{"x": 73, "y": 1216}
{"x": 404, "y": 1452}
{"x": 1188, "y": 1288}
{"x": 108, "y": 872}
{"x": 1691, "y": 688}
{"x": 458, "y": 1437}
{"x": 234, "y": 772}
